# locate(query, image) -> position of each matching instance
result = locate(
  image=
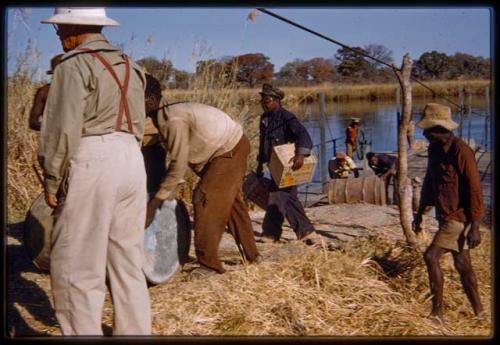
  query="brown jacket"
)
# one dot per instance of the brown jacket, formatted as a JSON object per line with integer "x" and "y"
{"x": 452, "y": 183}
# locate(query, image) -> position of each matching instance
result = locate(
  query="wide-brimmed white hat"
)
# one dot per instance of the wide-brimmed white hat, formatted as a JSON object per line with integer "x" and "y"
{"x": 436, "y": 114}
{"x": 80, "y": 16}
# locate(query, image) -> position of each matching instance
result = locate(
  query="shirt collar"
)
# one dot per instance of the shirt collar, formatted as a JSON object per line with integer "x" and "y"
{"x": 447, "y": 145}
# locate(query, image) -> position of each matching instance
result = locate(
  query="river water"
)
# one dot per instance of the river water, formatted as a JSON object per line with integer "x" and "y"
{"x": 379, "y": 124}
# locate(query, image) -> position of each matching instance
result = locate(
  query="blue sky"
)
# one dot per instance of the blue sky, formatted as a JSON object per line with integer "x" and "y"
{"x": 185, "y": 35}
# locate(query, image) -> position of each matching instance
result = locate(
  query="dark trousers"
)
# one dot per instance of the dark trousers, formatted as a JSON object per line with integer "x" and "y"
{"x": 284, "y": 203}
{"x": 217, "y": 202}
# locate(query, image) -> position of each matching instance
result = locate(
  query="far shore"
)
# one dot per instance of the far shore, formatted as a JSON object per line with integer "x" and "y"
{"x": 339, "y": 92}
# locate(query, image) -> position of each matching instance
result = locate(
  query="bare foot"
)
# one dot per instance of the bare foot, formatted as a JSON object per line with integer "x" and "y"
{"x": 436, "y": 319}
{"x": 480, "y": 315}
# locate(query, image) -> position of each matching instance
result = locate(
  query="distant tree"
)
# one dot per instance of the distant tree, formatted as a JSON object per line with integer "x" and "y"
{"x": 351, "y": 64}
{"x": 252, "y": 69}
{"x": 160, "y": 69}
{"x": 380, "y": 52}
{"x": 210, "y": 66}
{"x": 180, "y": 79}
{"x": 467, "y": 66}
{"x": 432, "y": 65}
{"x": 320, "y": 70}
{"x": 292, "y": 73}
{"x": 213, "y": 73}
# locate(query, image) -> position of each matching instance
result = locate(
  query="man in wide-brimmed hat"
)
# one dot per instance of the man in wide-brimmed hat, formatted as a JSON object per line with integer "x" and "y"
{"x": 278, "y": 126}
{"x": 91, "y": 131}
{"x": 452, "y": 184}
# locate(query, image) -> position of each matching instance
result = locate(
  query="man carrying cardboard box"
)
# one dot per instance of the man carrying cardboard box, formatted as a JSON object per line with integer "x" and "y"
{"x": 277, "y": 127}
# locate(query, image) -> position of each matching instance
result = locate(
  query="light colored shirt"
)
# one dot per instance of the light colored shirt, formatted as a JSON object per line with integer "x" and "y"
{"x": 194, "y": 134}
{"x": 84, "y": 100}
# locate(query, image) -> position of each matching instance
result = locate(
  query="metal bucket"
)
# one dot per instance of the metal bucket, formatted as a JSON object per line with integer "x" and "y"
{"x": 369, "y": 189}
{"x": 166, "y": 242}
{"x": 37, "y": 230}
{"x": 255, "y": 190}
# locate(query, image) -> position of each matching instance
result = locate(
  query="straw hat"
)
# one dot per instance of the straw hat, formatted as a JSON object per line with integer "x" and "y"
{"x": 269, "y": 90}
{"x": 436, "y": 114}
{"x": 80, "y": 16}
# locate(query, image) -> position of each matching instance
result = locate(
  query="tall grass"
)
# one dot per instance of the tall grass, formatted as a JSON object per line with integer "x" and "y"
{"x": 355, "y": 92}
{"x": 22, "y": 143}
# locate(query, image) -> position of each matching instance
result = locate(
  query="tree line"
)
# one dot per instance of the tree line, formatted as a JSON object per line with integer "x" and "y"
{"x": 346, "y": 66}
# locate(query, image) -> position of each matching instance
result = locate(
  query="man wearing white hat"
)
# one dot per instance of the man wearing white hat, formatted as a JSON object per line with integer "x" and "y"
{"x": 452, "y": 184}
{"x": 92, "y": 127}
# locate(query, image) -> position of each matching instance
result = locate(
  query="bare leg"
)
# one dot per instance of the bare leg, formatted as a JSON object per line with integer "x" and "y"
{"x": 432, "y": 256}
{"x": 463, "y": 265}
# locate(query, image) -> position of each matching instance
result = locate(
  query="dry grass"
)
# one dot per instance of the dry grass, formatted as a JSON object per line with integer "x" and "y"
{"x": 22, "y": 143}
{"x": 322, "y": 293}
{"x": 372, "y": 286}
{"x": 350, "y": 92}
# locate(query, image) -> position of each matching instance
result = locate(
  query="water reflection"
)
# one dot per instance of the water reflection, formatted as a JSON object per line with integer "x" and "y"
{"x": 379, "y": 122}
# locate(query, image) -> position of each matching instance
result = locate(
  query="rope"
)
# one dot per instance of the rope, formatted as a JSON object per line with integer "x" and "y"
{"x": 356, "y": 51}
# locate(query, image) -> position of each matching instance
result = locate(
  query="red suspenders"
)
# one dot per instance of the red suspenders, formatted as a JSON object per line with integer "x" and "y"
{"x": 123, "y": 88}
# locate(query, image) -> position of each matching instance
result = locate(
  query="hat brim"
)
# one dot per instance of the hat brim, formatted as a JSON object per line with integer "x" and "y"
{"x": 427, "y": 123}
{"x": 270, "y": 94}
{"x": 63, "y": 19}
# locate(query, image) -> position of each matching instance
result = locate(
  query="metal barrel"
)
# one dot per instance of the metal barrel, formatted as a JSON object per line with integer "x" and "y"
{"x": 255, "y": 190}
{"x": 368, "y": 189}
{"x": 37, "y": 231}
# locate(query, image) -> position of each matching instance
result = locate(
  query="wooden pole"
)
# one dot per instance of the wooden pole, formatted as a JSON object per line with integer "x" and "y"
{"x": 323, "y": 158}
{"x": 485, "y": 144}
{"x": 461, "y": 102}
{"x": 469, "y": 119}
{"x": 404, "y": 189}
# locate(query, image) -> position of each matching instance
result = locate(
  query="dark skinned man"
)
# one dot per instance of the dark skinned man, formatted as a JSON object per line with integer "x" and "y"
{"x": 451, "y": 184}
{"x": 213, "y": 145}
{"x": 277, "y": 127}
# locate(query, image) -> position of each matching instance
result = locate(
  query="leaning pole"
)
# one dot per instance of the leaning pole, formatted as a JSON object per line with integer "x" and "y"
{"x": 404, "y": 189}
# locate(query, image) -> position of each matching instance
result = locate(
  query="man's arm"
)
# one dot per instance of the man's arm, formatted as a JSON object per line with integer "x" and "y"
{"x": 303, "y": 142}
{"x": 38, "y": 106}
{"x": 176, "y": 134}
{"x": 474, "y": 206}
{"x": 62, "y": 124}
{"x": 426, "y": 199}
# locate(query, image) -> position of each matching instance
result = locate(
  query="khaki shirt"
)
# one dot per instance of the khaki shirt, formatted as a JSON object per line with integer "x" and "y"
{"x": 194, "y": 134}
{"x": 84, "y": 100}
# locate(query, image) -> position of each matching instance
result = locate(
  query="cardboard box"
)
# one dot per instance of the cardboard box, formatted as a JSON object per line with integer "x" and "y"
{"x": 281, "y": 170}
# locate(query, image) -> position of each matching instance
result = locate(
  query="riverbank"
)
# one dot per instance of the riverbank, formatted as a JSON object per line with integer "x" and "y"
{"x": 343, "y": 92}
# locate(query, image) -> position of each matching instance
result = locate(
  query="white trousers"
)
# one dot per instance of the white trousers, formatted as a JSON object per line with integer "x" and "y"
{"x": 99, "y": 230}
